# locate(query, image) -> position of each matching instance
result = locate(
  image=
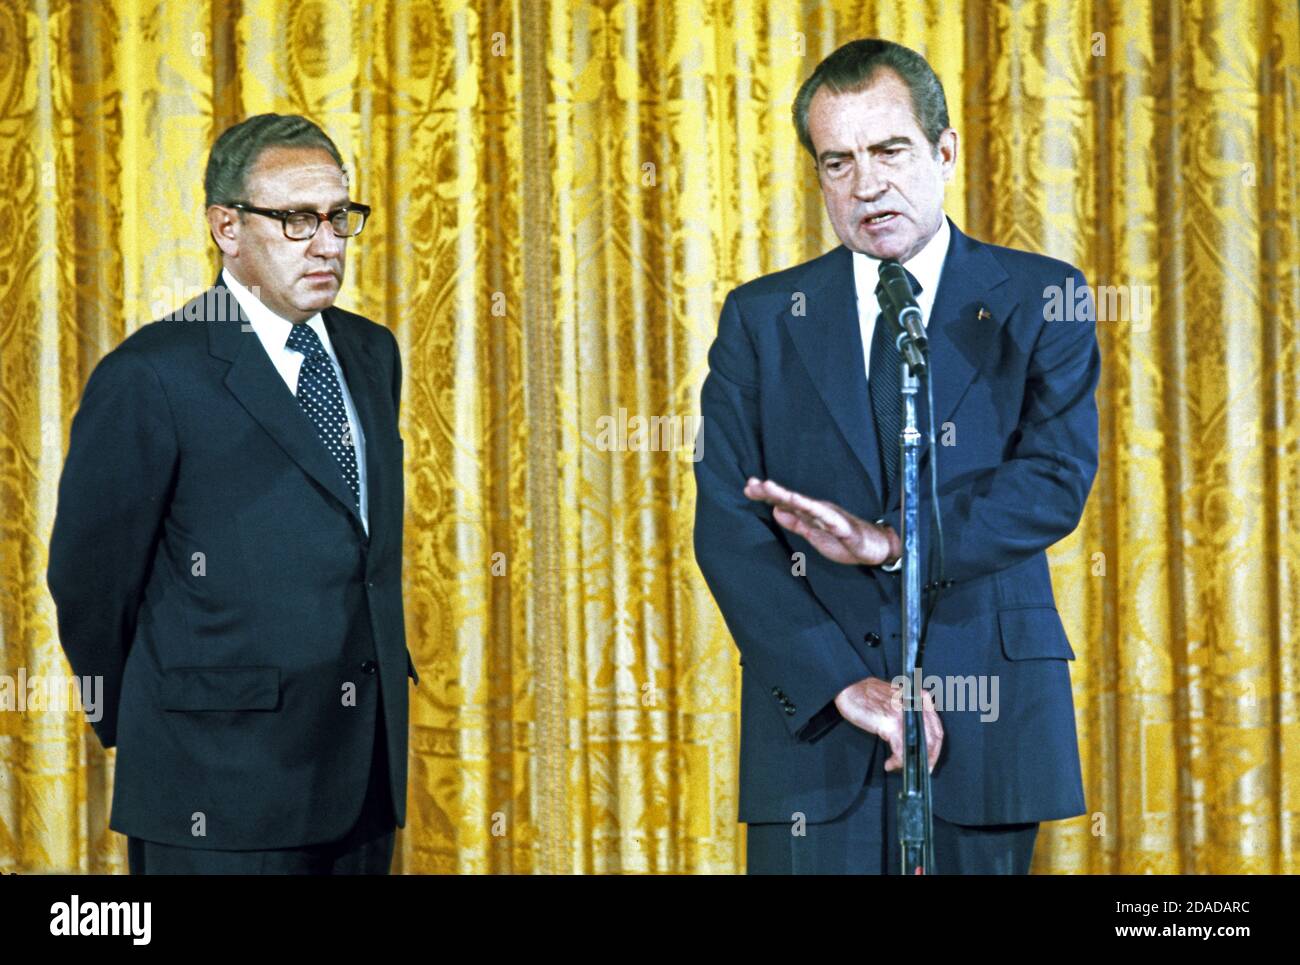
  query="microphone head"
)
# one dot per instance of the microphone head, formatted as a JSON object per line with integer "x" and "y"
{"x": 895, "y": 285}
{"x": 891, "y": 272}
{"x": 913, "y": 312}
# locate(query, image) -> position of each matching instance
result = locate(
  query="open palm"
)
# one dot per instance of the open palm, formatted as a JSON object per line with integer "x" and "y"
{"x": 832, "y": 530}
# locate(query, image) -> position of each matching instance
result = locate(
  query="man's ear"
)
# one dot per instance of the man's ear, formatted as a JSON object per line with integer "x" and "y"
{"x": 224, "y": 225}
{"x": 948, "y": 153}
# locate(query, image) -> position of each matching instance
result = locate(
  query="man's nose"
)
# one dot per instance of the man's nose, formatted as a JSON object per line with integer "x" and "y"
{"x": 867, "y": 182}
{"x": 325, "y": 243}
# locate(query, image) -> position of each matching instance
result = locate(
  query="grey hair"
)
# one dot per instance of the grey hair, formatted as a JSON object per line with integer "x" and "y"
{"x": 856, "y": 64}
{"x": 237, "y": 149}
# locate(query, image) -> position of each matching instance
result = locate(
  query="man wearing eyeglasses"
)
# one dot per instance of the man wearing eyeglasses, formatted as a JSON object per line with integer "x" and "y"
{"x": 226, "y": 551}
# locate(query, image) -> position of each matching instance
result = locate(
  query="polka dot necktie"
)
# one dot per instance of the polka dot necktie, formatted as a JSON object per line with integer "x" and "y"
{"x": 885, "y": 385}
{"x": 322, "y": 399}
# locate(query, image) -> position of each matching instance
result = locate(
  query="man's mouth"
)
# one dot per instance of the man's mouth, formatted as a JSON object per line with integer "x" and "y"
{"x": 883, "y": 217}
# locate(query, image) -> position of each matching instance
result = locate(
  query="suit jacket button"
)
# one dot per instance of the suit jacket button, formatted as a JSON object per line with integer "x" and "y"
{"x": 776, "y": 692}
{"x": 368, "y": 666}
{"x": 789, "y": 710}
{"x": 872, "y": 639}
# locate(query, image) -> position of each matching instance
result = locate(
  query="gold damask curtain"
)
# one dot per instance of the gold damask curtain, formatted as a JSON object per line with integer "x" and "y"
{"x": 563, "y": 194}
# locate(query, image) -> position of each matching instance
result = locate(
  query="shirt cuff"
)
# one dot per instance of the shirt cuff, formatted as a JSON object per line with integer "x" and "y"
{"x": 897, "y": 565}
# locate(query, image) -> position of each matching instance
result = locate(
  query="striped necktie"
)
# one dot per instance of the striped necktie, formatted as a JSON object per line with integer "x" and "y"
{"x": 884, "y": 382}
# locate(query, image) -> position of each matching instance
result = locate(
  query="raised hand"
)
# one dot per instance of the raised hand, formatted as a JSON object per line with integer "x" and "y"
{"x": 832, "y": 530}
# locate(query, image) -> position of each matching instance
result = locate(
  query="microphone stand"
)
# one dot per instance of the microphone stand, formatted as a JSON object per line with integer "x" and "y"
{"x": 914, "y": 817}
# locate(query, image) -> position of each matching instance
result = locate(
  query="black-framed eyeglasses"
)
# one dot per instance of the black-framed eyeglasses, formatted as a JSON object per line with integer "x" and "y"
{"x": 346, "y": 222}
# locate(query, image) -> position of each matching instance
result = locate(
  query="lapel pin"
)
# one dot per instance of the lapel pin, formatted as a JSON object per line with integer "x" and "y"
{"x": 984, "y": 314}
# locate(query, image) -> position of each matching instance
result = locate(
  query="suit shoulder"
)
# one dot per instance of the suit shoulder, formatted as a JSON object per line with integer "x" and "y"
{"x": 371, "y": 331}
{"x": 1029, "y": 265}
{"x": 779, "y": 284}
{"x": 163, "y": 339}
{"x": 184, "y": 328}
{"x": 136, "y": 365}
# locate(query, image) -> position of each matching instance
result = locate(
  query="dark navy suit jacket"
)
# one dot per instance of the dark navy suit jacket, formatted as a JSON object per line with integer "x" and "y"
{"x": 227, "y": 674}
{"x": 786, "y": 399}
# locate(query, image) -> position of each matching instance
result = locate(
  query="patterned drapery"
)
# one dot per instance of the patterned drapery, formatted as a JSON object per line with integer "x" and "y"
{"x": 563, "y": 194}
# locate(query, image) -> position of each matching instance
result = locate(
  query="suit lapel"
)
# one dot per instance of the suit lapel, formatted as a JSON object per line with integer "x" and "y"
{"x": 829, "y": 343}
{"x": 365, "y": 382}
{"x": 256, "y": 383}
{"x": 968, "y": 310}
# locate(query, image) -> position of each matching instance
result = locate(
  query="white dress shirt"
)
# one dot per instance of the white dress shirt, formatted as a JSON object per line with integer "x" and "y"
{"x": 926, "y": 267}
{"x": 273, "y": 332}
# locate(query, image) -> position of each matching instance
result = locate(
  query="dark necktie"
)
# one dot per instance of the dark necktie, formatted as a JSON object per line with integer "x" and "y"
{"x": 885, "y": 384}
{"x": 322, "y": 399}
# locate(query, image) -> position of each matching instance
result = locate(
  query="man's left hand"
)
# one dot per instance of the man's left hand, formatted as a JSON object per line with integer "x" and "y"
{"x": 833, "y": 531}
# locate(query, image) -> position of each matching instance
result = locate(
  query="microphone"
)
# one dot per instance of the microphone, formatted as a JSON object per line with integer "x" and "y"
{"x": 901, "y": 303}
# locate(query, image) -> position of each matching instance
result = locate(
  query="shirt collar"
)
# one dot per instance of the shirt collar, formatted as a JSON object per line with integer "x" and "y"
{"x": 271, "y": 328}
{"x": 926, "y": 266}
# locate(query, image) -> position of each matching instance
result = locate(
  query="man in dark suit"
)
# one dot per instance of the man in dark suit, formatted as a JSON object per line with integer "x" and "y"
{"x": 227, "y": 549}
{"x": 798, "y": 503}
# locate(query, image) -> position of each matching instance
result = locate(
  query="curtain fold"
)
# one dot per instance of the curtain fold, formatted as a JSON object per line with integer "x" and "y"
{"x": 563, "y": 195}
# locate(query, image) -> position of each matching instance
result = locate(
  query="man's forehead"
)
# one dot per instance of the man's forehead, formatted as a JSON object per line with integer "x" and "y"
{"x": 879, "y": 111}
{"x": 884, "y": 94}
{"x": 299, "y": 168}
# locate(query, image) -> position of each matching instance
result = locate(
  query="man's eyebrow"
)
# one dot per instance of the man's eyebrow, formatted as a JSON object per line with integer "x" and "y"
{"x": 899, "y": 139}
{"x": 306, "y": 206}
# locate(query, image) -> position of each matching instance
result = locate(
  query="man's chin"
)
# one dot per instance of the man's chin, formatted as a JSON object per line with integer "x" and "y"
{"x": 321, "y": 297}
{"x": 882, "y": 248}
{"x": 305, "y": 309}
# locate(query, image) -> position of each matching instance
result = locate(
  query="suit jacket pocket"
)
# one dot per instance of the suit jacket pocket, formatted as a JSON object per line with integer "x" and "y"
{"x": 1033, "y": 632}
{"x": 221, "y": 688}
